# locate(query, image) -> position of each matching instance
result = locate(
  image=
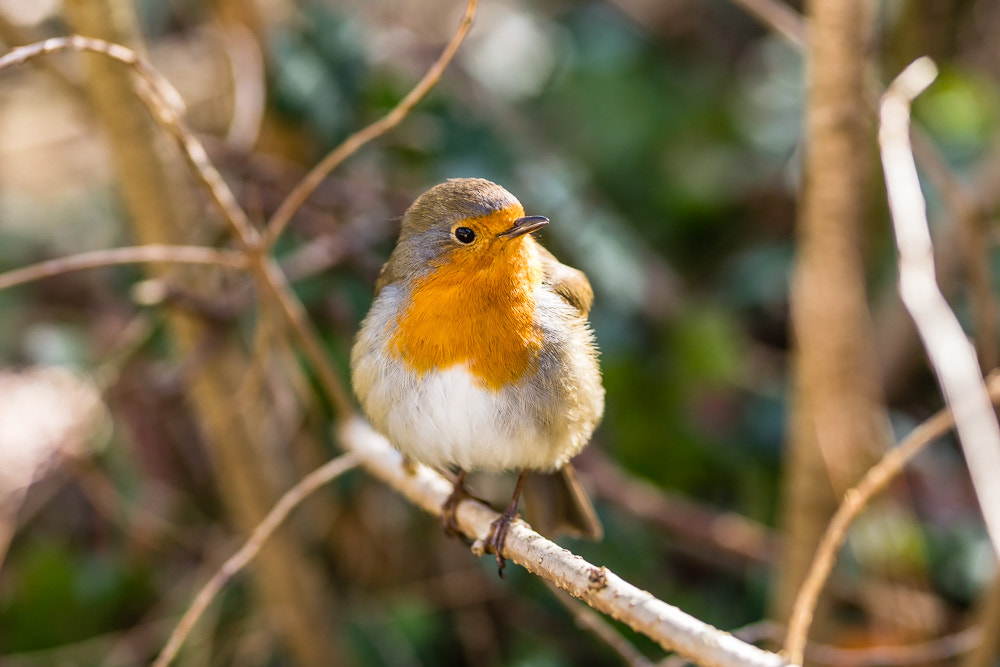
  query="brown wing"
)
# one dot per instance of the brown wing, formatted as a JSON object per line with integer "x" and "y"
{"x": 557, "y": 504}
{"x": 569, "y": 283}
{"x": 385, "y": 277}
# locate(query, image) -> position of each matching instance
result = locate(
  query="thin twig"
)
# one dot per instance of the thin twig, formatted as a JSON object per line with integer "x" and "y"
{"x": 289, "y": 501}
{"x": 351, "y": 144}
{"x": 951, "y": 354}
{"x": 602, "y": 589}
{"x": 170, "y": 119}
{"x": 854, "y": 502}
{"x": 140, "y": 523}
{"x": 265, "y": 269}
{"x": 146, "y": 254}
{"x": 165, "y": 105}
{"x": 298, "y": 319}
{"x": 13, "y": 35}
{"x": 150, "y": 74}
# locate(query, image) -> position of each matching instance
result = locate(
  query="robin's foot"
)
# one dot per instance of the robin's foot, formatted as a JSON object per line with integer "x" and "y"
{"x": 498, "y": 529}
{"x": 458, "y": 493}
{"x": 498, "y": 535}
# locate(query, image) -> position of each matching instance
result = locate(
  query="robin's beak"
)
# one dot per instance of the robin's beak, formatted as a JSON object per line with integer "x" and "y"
{"x": 525, "y": 225}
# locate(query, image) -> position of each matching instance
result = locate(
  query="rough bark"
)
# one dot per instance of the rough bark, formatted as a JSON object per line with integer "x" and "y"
{"x": 837, "y": 417}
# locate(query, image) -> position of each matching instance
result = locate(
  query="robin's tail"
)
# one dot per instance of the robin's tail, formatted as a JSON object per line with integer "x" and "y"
{"x": 556, "y": 504}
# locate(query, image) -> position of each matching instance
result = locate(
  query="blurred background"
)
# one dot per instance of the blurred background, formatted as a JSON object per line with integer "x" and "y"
{"x": 149, "y": 417}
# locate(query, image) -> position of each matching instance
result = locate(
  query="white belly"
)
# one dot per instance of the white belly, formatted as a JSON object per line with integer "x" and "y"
{"x": 447, "y": 419}
{"x": 444, "y": 417}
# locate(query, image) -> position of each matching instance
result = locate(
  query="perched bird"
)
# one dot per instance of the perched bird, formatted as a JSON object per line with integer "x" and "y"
{"x": 477, "y": 354}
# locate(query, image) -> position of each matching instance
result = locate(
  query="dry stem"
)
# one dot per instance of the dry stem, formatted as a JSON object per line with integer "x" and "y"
{"x": 855, "y": 500}
{"x": 597, "y": 586}
{"x": 952, "y": 356}
{"x": 161, "y": 99}
{"x": 351, "y": 144}
{"x": 145, "y": 254}
{"x": 292, "y": 499}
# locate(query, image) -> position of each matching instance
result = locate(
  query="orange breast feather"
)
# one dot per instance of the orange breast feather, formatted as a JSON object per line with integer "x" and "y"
{"x": 477, "y": 309}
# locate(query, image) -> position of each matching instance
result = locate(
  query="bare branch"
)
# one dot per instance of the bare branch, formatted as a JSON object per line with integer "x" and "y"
{"x": 837, "y": 421}
{"x": 165, "y": 105}
{"x": 292, "y": 499}
{"x": 855, "y": 500}
{"x": 951, "y": 354}
{"x": 145, "y": 254}
{"x": 597, "y": 586}
{"x": 351, "y": 144}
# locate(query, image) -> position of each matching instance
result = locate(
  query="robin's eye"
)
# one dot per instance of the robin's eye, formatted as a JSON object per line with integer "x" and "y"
{"x": 465, "y": 235}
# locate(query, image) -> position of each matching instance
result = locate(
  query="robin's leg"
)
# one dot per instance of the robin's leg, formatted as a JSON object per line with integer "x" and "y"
{"x": 499, "y": 528}
{"x": 458, "y": 494}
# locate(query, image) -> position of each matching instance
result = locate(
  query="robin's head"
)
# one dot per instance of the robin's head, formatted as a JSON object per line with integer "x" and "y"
{"x": 469, "y": 221}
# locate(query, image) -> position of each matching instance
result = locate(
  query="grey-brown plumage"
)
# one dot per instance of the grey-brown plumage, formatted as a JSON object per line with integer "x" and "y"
{"x": 447, "y": 366}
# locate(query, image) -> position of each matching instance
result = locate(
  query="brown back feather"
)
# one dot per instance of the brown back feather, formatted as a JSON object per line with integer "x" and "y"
{"x": 569, "y": 283}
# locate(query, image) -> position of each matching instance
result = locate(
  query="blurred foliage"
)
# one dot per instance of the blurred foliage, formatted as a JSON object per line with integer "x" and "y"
{"x": 663, "y": 147}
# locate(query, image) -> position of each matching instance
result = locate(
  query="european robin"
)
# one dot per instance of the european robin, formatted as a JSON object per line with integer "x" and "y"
{"x": 477, "y": 354}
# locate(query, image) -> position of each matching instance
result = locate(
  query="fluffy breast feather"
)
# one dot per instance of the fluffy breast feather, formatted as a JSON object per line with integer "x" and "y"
{"x": 444, "y": 417}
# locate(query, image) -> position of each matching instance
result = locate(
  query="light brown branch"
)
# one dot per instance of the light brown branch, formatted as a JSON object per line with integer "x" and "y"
{"x": 288, "y": 502}
{"x": 837, "y": 422}
{"x": 265, "y": 269}
{"x": 952, "y": 356}
{"x": 145, "y": 254}
{"x": 602, "y": 589}
{"x": 164, "y": 103}
{"x": 305, "y": 334}
{"x": 14, "y": 35}
{"x": 855, "y": 500}
{"x": 140, "y": 65}
{"x": 351, "y": 144}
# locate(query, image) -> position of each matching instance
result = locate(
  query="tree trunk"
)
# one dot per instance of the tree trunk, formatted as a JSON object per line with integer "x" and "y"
{"x": 837, "y": 419}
